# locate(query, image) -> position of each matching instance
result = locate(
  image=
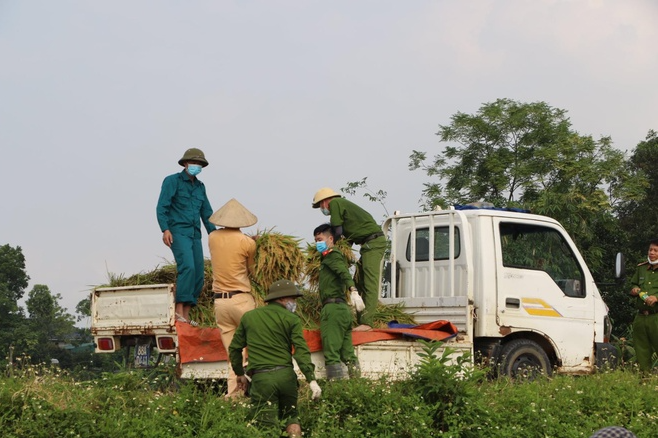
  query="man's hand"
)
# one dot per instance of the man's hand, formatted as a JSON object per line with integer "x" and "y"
{"x": 243, "y": 381}
{"x": 651, "y": 300}
{"x": 167, "y": 238}
{"x": 635, "y": 291}
{"x": 357, "y": 301}
{"x": 316, "y": 391}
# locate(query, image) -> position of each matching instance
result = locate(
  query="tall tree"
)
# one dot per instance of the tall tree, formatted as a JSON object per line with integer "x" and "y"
{"x": 49, "y": 321}
{"x": 639, "y": 217}
{"x": 13, "y": 281}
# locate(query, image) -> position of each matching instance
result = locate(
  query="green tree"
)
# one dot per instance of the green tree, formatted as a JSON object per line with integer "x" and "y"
{"x": 639, "y": 217}
{"x": 13, "y": 281}
{"x": 526, "y": 155}
{"x": 49, "y": 321}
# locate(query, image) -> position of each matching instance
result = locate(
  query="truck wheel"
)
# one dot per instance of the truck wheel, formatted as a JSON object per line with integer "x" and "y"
{"x": 523, "y": 358}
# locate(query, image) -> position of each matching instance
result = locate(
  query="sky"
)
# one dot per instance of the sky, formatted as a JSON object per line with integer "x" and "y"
{"x": 99, "y": 101}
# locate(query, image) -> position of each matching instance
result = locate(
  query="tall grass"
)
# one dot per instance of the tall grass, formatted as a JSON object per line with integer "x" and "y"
{"x": 45, "y": 402}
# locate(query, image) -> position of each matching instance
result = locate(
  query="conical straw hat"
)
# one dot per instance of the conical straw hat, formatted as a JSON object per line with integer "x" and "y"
{"x": 233, "y": 215}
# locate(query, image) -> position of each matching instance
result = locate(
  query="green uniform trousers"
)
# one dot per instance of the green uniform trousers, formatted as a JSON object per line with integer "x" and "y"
{"x": 188, "y": 254}
{"x": 645, "y": 339}
{"x": 368, "y": 277}
{"x": 336, "y": 333}
{"x": 274, "y": 399}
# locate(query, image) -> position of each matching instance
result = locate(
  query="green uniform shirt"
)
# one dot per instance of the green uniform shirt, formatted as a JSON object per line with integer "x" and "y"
{"x": 646, "y": 278}
{"x": 335, "y": 278}
{"x": 270, "y": 333}
{"x": 357, "y": 223}
{"x": 182, "y": 202}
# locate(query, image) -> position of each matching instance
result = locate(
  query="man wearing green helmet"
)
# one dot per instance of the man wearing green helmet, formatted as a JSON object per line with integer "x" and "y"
{"x": 271, "y": 333}
{"x": 182, "y": 205}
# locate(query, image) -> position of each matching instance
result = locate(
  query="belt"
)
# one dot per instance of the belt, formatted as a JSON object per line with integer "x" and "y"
{"x": 218, "y": 295}
{"x": 648, "y": 312}
{"x": 334, "y": 301}
{"x": 266, "y": 370}
{"x": 372, "y": 237}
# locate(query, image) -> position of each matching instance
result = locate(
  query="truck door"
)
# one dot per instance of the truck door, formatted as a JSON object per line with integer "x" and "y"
{"x": 542, "y": 287}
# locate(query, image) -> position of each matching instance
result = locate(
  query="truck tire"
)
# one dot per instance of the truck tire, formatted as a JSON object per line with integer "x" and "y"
{"x": 524, "y": 359}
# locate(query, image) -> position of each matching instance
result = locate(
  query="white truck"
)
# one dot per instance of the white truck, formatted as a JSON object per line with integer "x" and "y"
{"x": 513, "y": 283}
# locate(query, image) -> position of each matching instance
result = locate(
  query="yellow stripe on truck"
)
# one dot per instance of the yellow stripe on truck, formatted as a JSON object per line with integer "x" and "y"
{"x": 539, "y": 307}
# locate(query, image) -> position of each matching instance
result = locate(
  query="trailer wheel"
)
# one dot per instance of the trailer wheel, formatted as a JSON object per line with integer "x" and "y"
{"x": 525, "y": 359}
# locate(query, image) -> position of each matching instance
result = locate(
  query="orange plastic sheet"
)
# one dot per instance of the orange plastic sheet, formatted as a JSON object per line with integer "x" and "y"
{"x": 205, "y": 344}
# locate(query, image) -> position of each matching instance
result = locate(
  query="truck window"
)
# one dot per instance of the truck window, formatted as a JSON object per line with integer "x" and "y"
{"x": 541, "y": 248}
{"x": 441, "y": 244}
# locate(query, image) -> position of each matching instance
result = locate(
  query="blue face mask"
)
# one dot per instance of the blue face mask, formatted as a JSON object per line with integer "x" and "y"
{"x": 321, "y": 246}
{"x": 194, "y": 169}
{"x": 325, "y": 211}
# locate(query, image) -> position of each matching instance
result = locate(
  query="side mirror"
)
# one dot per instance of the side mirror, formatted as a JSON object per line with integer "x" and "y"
{"x": 620, "y": 266}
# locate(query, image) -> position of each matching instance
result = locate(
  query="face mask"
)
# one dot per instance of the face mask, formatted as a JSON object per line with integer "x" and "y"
{"x": 321, "y": 246}
{"x": 648, "y": 259}
{"x": 194, "y": 169}
{"x": 325, "y": 211}
{"x": 291, "y": 305}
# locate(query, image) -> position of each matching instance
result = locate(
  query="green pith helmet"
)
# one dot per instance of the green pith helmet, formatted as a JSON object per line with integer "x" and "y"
{"x": 282, "y": 289}
{"x": 193, "y": 154}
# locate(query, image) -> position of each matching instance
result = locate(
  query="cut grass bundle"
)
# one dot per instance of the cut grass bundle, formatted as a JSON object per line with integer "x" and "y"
{"x": 278, "y": 257}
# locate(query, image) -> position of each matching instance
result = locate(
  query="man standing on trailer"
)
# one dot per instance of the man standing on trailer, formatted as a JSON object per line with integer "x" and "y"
{"x": 182, "y": 205}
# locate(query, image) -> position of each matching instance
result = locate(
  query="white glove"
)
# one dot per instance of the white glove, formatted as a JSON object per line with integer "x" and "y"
{"x": 356, "y": 300}
{"x": 315, "y": 390}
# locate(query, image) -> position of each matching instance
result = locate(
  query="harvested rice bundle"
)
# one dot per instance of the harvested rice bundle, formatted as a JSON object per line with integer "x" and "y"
{"x": 278, "y": 256}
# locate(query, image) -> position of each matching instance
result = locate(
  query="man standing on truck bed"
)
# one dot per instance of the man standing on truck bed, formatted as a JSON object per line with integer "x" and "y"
{"x": 645, "y": 325}
{"x": 232, "y": 256}
{"x": 271, "y": 333}
{"x": 336, "y": 316}
{"x": 182, "y": 204}
{"x": 357, "y": 226}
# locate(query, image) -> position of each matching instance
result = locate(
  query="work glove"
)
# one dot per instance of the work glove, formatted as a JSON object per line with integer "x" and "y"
{"x": 356, "y": 300}
{"x": 316, "y": 391}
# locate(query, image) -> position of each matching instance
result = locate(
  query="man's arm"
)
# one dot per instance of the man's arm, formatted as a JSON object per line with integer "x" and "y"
{"x": 302, "y": 353}
{"x": 206, "y": 212}
{"x": 235, "y": 350}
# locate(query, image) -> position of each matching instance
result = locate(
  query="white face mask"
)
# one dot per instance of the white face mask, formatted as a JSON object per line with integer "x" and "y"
{"x": 325, "y": 211}
{"x": 291, "y": 305}
{"x": 652, "y": 263}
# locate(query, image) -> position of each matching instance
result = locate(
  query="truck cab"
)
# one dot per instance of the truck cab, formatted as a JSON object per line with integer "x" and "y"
{"x": 530, "y": 301}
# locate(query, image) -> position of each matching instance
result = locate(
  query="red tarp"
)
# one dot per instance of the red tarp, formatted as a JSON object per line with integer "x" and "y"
{"x": 205, "y": 344}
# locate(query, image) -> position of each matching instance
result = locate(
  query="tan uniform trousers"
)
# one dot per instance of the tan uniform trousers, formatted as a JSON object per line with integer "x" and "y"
{"x": 228, "y": 312}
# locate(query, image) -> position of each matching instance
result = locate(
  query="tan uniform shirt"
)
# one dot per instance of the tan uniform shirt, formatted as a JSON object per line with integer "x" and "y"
{"x": 232, "y": 258}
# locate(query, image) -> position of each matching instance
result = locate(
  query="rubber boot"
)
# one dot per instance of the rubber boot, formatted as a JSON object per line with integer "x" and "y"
{"x": 335, "y": 371}
{"x": 354, "y": 370}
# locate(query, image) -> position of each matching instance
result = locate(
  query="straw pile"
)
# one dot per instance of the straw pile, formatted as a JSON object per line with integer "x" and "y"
{"x": 278, "y": 256}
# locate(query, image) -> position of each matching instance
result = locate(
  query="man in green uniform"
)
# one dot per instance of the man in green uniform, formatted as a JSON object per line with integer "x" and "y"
{"x": 357, "y": 226}
{"x": 336, "y": 316}
{"x": 645, "y": 326}
{"x": 270, "y": 333}
{"x": 182, "y": 205}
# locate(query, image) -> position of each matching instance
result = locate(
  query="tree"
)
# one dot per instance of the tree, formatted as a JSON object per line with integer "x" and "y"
{"x": 526, "y": 155}
{"x": 13, "y": 281}
{"x": 49, "y": 322}
{"x": 639, "y": 217}
{"x": 12, "y": 272}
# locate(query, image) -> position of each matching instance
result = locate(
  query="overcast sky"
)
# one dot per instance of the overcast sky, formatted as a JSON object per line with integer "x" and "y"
{"x": 99, "y": 100}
